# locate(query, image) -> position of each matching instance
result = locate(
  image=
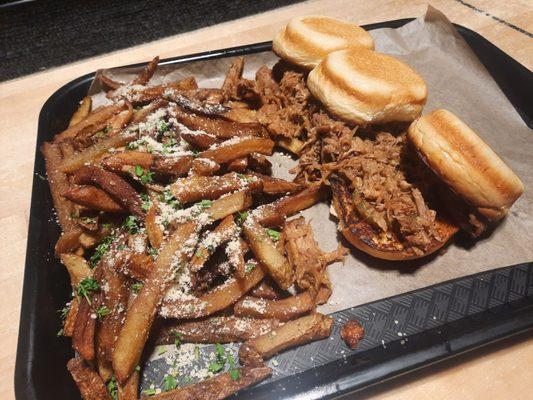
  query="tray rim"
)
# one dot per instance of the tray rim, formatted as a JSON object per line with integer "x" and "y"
{"x": 23, "y": 387}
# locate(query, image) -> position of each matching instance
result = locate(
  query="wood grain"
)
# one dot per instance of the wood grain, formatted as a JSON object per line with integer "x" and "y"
{"x": 496, "y": 375}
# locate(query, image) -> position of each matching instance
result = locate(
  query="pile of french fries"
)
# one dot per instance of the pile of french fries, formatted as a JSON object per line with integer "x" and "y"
{"x": 173, "y": 227}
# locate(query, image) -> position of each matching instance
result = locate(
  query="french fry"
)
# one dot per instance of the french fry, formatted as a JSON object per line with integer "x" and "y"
{"x": 274, "y": 214}
{"x": 294, "y": 145}
{"x": 120, "y": 120}
{"x": 155, "y": 235}
{"x": 130, "y": 389}
{"x": 233, "y": 75}
{"x": 230, "y": 151}
{"x": 146, "y": 74}
{"x": 217, "y": 299}
{"x": 173, "y": 166}
{"x": 215, "y": 330}
{"x": 84, "y": 328}
{"x": 135, "y": 265}
{"x": 259, "y": 163}
{"x": 114, "y": 185}
{"x": 188, "y": 83}
{"x": 110, "y": 83}
{"x": 218, "y": 127}
{"x": 88, "y": 381}
{"x": 97, "y": 150}
{"x": 283, "y": 310}
{"x": 241, "y": 115}
{"x": 266, "y": 252}
{"x": 95, "y": 118}
{"x": 58, "y": 184}
{"x": 229, "y": 204}
{"x": 197, "y": 188}
{"x": 81, "y": 112}
{"x": 203, "y": 167}
{"x": 141, "y": 313}
{"x": 277, "y": 186}
{"x": 238, "y": 165}
{"x": 267, "y": 290}
{"x": 69, "y": 241}
{"x": 293, "y": 333}
{"x": 199, "y": 139}
{"x": 77, "y": 268}
{"x": 218, "y": 236}
{"x": 93, "y": 198}
{"x": 219, "y": 387}
{"x": 105, "y": 370}
{"x": 123, "y": 161}
{"x": 70, "y": 319}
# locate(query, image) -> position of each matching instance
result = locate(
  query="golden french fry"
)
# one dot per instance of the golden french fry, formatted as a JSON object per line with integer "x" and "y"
{"x": 88, "y": 381}
{"x": 82, "y": 111}
{"x": 240, "y": 148}
{"x": 77, "y": 267}
{"x": 93, "y": 198}
{"x": 283, "y": 310}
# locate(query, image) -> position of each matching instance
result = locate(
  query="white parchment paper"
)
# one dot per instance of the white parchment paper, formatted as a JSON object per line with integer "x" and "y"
{"x": 458, "y": 82}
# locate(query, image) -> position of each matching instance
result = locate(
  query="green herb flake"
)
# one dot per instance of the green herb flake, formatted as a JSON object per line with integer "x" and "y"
{"x": 132, "y": 146}
{"x": 149, "y": 392}
{"x": 41, "y": 177}
{"x": 215, "y": 367}
{"x": 196, "y": 352}
{"x": 199, "y": 253}
{"x": 169, "y": 383}
{"x": 153, "y": 251}
{"x": 86, "y": 287}
{"x": 249, "y": 267}
{"x": 130, "y": 223}
{"x": 274, "y": 235}
{"x": 241, "y": 217}
{"x": 234, "y": 373}
{"x": 205, "y": 204}
{"x": 136, "y": 287}
{"x": 161, "y": 350}
{"x": 100, "y": 250}
{"x": 102, "y": 311}
{"x": 178, "y": 339}
{"x": 63, "y": 312}
{"x": 112, "y": 388}
{"x": 59, "y": 333}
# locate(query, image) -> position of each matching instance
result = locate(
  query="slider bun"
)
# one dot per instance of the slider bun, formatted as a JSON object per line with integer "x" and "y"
{"x": 364, "y": 87}
{"x": 465, "y": 163}
{"x": 306, "y": 40}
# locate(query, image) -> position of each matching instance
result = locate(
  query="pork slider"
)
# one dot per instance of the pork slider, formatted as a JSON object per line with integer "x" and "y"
{"x": 468, "y": 166}
{"x": 306, "y": 40}
{"x": 364, "y": 87}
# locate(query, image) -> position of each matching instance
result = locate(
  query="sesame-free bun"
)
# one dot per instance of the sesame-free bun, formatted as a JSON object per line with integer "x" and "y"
{"x": 306, "y": 40}
{"x": 365, "y": 87}
{"x": 465, "y": 163}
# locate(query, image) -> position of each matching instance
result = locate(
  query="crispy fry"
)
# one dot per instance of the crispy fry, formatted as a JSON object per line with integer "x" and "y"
{"x": 197, "y": 188}
{"x": 89, "y": 383}
{"x": 232, "y": 76}
{"x": 188, "y": 83}
{"x": 230, "y": 151}
{"x": 146, "y": 74}
{"x": 58, "y": 184}
{"x": 155, "y": 235}
{"x": 121, "y": 162}
{"x": 141, "y": 313}
{"x": 218, "y": 127}
{"x": 203, "y": 167}
{"x": 98, "y": 149}
{"x": 135, "y": 265}
{"x": 294, "y": 145}
{"x": 216, "y": 330}
{"x": 77, "y": 268}
{"x": 114, "y": 185}
{"x": 267, "y": 290}
{"x": 274, "y": 214}
{"x": 70, "y": 319}
{"x": 81, "y": 112}
{"x": 130, "y": 389}
{"x": 259, "y": 163}
{"x": 241, "y": 115}
{"x": 68, "y": 241}
{"x": 120, "y": 120}
{"x": 293, "y": 333}
{"x": 220, "y": 235}
{"x": 176, "y": 166}
{"x": 205, "y": 102}
{"x": 143, "y": 113}
{"x": 229, "y": 204}
{"x": 219, "y": 387}
{"x": 93, "y": 198}
{"x": 84, "y": 328}
{"x": 93, "y": 119}
{"x": 105, "y": 370}
{"x": 218, "y": 299}
{"x": 199, "y": 139}
{"x": 266, "y": 252}
{"x": 277, "y": 186}
{"x": 110, "y": 83}
{"x": 283, "y": 310}
{"x": 115, "y": 302}
{"x": 238, "y": 165}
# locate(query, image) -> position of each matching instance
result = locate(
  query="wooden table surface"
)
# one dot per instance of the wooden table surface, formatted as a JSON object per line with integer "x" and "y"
{"x": 503, "y": 371}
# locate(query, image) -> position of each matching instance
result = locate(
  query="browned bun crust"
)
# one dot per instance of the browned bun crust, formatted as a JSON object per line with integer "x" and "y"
{"x": 306, "y": 40}
{"x": 467, "y": 165}
{"x": 370, "y": 240}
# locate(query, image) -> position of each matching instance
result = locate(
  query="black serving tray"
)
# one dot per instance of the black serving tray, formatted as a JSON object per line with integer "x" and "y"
{"x": 403, "y": 332}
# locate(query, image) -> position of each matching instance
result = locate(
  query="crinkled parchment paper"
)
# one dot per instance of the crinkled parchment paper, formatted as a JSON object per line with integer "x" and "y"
{"x": 458, "y": 82}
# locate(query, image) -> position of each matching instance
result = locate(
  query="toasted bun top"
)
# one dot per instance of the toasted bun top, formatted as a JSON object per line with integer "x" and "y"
{"x": 306, "y": 40}
{"x": 465, "y": 163}
{"x": 365, "y": 87}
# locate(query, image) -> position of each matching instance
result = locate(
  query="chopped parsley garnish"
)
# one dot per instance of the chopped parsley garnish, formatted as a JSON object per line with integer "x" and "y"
{"x": 149, "y": 392}
{"x": 153, "y": 251}
{"x": 249, "y": 267}
{"x": 43, "y": 178}
{"x": 241, "y": 217}
{"x": 197, "y": 352}
{"x": 86, "y": 287}
{"x": 169, "y": 198}
{"x": 274, "y": 235}
{"x": 161, "y": 350}
{"x": 100, "y": 250}
{"x": 178, "y": 339}
{"x": 131, "y": 224}
{"x": 199, "y": 253}
{"x": 245, "y": 178}
{"x": 234, "y": 374}
{"x": 144, "y": 175}
{"x": 215, "y": 367}
{"x": 102, "y": 311}
{"x": 136, "y": 287}
{"x": 63, "y": 312}
{"x": 205, "y": 204}
{"x": 112, "y": 388}
{"x": 59, "y": 333}
{"x": 146, "y": 204}
{"x": 162, "y": 127}
{"x": 132, "y": 146}
{"x": 169, "y": 383}
{"x": 88, "y": 220}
